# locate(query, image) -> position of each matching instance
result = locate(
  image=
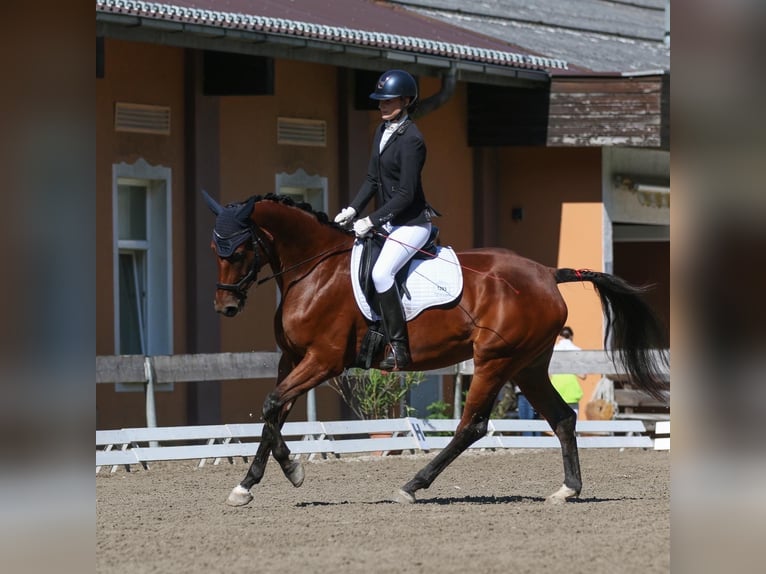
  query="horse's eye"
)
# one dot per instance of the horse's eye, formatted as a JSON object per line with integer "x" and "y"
{"x": 236, "y": 257}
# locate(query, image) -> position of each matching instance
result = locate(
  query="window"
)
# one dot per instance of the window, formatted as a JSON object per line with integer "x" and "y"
{"x": 312, "y": 189}
{"x": 300, "y": 186}
{"x": 143, "y": 263}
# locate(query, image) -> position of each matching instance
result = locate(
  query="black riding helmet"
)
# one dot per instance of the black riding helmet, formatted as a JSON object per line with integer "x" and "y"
{"x": 394, "y": 84}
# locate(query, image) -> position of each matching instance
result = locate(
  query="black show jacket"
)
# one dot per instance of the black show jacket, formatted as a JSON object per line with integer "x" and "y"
{"x": 394, "y": 178}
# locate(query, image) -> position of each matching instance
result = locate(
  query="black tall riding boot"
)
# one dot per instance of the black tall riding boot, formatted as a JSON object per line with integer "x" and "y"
{"x": 395, "y": 326}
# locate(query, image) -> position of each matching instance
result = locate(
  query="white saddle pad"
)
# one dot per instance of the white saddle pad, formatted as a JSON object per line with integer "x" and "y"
{"x": 431, "y": 282}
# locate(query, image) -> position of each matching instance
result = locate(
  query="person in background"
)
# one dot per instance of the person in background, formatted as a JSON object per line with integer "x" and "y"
{"x": 568, "y": 385}
{"x": 526, "y": 410}
{"x": 403, "y": 216}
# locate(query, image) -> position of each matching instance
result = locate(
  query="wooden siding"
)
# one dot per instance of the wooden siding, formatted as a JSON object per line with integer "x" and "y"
{"x": 606, "y": 111}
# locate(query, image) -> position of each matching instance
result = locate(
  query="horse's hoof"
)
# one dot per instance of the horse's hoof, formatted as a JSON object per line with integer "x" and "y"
{"x": 561, "y": 495}
{"x": 295, "y": 474}
{"x": 239, "y": 496}
{"x": 403, "y": 497}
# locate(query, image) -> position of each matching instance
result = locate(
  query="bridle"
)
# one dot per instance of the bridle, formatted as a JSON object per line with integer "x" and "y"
{"x": 240, "y": 287}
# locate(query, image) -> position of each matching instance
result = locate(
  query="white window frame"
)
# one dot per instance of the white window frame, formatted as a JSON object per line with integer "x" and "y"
{"x": 159, "y": 249}
{"x": 298, "y": 185}
{"x": 292, "y": 184}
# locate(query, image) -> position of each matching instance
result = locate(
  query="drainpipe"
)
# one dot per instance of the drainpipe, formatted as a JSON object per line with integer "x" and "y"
{"x": 667, "y": 22}
{"x": 432, "y": 103}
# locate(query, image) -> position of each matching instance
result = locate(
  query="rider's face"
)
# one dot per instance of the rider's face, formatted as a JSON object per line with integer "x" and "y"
{"x": 390, "y": 109}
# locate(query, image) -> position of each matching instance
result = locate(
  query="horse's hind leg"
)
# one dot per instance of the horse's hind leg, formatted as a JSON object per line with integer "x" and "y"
{"x": 487, "y": 381}
{"x": 292, "y": 469}
{"x": 537, "y": 387}
{"x": 306, "y": 375}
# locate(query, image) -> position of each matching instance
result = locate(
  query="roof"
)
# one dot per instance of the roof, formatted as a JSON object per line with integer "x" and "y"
{"x": 598, "y": 35}
{"x": 341, "y": 27}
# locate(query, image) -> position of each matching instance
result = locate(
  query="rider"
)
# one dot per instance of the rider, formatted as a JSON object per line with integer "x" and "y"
{"x": 403, "y": 215}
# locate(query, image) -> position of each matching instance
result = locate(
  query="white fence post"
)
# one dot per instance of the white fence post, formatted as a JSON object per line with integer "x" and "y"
{"x": 457, "y": 407}
{"x": 311, "y": 406}
{"x": 151, "y": 412}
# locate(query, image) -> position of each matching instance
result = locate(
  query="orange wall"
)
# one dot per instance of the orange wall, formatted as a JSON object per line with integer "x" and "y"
{"x": 580, "y": 247}
{"x": 144, "y": 74}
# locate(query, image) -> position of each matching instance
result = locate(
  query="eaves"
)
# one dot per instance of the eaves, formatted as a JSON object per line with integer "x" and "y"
{"x": 170, "y": 24}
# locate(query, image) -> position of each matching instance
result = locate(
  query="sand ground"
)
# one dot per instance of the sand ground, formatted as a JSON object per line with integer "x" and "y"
{"x": 484, "y": 514}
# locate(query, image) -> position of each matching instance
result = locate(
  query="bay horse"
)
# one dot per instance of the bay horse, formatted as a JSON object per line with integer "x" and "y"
{"x": 506, "y": 318}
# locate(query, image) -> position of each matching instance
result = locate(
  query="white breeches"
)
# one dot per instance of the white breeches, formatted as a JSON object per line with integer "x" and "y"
{"x": 401, "y": 245}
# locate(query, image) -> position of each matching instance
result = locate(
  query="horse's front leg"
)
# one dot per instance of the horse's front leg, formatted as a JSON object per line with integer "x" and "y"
{"x": 240, "y": 494}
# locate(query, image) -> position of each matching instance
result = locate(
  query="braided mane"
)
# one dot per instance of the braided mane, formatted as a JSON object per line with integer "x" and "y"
{"x": 321, "y": 216}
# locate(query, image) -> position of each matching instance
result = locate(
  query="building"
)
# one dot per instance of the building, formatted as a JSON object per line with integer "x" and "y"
{"x": 564, "y": 164}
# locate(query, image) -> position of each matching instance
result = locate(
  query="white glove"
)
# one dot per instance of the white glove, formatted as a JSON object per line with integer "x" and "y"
{"x": 346, "y": 214}
{"x": 362, "y": 227}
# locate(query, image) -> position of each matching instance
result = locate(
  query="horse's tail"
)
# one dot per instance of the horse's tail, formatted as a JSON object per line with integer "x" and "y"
{"x": 637, "y": 335}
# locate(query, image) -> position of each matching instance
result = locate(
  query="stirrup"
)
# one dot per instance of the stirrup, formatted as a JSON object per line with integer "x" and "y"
{"x": 397, "y": 358}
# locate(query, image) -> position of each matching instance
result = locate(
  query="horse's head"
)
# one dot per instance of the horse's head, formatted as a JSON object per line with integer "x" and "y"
{"x": 237, "y": 245}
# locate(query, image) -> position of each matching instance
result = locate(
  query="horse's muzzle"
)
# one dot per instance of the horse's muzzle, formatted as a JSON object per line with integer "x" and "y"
{"x": 228, "y": 306}
{"x": 229, "y": 310}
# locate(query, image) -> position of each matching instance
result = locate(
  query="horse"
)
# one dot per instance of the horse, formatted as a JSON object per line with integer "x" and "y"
{"x": 506, "y": 319}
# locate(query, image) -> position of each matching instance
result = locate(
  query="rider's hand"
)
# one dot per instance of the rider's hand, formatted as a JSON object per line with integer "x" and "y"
{"x": 346, "y": 214}
{"x": 362, "y": 227}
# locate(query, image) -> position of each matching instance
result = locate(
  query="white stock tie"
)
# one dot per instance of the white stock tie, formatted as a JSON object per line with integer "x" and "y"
{"x": 387, "y": 133}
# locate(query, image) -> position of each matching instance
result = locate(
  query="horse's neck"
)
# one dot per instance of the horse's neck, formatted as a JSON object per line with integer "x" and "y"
{"x": 297, "y": 236}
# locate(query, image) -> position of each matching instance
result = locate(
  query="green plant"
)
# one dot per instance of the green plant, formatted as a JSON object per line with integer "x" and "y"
{"x": 376, "y": 394}
{"x": 507, "y": 401}
{"x": 438, "y": 410}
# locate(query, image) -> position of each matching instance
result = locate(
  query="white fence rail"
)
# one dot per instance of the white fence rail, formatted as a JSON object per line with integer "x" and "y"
{"x": 162, "y": 369}
{"x": 662, "y": 440}
{"x": 132, "y": 446}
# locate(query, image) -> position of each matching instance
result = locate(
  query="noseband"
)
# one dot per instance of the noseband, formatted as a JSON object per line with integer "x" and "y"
{"x": 240, "y": 287}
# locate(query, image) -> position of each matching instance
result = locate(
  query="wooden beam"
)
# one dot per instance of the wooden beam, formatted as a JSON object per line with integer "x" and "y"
{"x": 238, "y": 366}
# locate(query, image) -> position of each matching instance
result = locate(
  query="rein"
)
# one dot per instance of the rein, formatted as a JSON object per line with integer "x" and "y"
{"x": 330, "y": 251}
{"x": 486, "y": 274}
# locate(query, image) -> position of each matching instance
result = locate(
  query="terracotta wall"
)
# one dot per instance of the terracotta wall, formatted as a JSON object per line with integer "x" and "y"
{"x": 250, "y": 159}
{"x": 448, "y": 174}
{"x": 143, "y": 74}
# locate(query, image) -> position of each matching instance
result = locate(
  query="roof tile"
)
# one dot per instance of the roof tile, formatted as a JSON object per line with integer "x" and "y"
{"x": 345, "y": 21}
